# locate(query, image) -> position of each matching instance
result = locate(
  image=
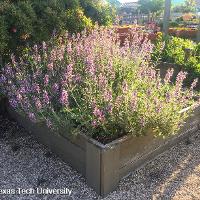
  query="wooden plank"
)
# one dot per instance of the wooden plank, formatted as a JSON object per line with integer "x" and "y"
{"x": 133, "y": 148}
{"x": 3, "y": 102}
{"x": 136, "y": 152}
{"x": 68, "y": 151}
{"x": 93, "y": 167}
{"x": 109, "y": 169}
{"x": 79, "y": 140}
{"x": 144, "y": 158}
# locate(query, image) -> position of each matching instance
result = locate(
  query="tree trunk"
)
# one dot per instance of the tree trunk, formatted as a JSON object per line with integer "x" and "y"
{"x": 198, "y": 32}
{"x": 198, "y": 14}
{"x": 166, "y": 17}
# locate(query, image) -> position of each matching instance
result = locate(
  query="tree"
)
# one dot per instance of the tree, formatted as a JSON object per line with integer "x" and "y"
{"x": 186, "y": 7}
{"x": 166, "y": 17}
{"x": 114, "y": 3}
{"x": 99, "y": 11}
{"x": 154, "y": 7}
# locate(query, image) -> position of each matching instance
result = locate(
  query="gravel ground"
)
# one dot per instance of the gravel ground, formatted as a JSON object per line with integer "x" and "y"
{"x": 24, "y": 163}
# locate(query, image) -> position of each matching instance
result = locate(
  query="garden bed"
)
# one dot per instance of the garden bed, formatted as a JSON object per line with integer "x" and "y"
{"x": 184, "y": 32}
{"x": 163, "y": 67}
{"x": 126, "y": 33}
{"x": 104, "y": 165}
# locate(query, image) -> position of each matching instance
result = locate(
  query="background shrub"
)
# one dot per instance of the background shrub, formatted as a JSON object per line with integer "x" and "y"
{"x": 26, "y": 22}
{"x": 174, "y": 50}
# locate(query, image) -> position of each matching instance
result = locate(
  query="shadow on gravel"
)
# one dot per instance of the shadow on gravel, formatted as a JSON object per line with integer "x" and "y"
{"x": 173, "y": 175}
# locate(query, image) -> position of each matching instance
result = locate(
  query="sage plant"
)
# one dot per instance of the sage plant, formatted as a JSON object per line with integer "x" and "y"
{"x": 89, "y": 83}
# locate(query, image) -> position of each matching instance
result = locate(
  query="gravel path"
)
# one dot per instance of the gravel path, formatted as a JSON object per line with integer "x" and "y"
{"x": 24, "y": 163}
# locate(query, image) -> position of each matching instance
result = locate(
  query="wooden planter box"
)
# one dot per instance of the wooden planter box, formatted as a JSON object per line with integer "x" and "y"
{"x": 104, "y": 165}
{"x": 164, "y": 66}
{"x": 125, "y": 33}
{"x": 2, "y": 105}
{"x": 185, "y": 33}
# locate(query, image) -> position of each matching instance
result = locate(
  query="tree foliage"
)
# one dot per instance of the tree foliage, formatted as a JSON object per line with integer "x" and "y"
{"x": 25, "y": 22}
{"x": 151, "y": 6}
{"x": 186, "y": 7}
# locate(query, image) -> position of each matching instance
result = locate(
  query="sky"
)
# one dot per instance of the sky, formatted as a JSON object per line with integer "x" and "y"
{"x": 123, "y": 1}
{"x": 174, "y": 1}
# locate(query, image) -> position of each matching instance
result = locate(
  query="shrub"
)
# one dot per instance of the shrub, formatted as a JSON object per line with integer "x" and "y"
{"x": 99, "y": 11}
{"x": 173, "y": 24}
{"x": 173, "y": 50}
{"x": 76, "y": 20}
{"x": 4, "y": 37}
{"x": 89, "y": 83}
{"x": 18, "y": 25}
{"x": 25, "y": 22}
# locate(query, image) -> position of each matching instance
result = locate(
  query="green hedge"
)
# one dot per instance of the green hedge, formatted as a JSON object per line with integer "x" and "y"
{"x": 26, "y": 22}
{"x": 174, "y": 50}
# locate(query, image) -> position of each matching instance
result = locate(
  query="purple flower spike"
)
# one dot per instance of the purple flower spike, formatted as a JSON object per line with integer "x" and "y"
{"x": 36, "y": 88}
{"x": 38, "y": 104}
{"x": 32, "y": 117}
{"x": 50, "y": 66}
{"x": 134, "y": 101}
{"x": 107, "y": 95}
{"x": 142, "y": 121}
{"x": 69, "y": 72}
{"x": 99, "y": 114}
{"x": 124, "y": 87}
{"x": 180, "y": 78}
{"x": 169, "y": 75}
{"x": 64, "y": 98}
{"x": 55, "y": 88}
{"x": 2, "y": 79}
{"x": 48, "y": 123}
{"x": 13, "y": 103}
{"x": 46, "y": 79}
{"x": 46, "y": 98}
{"x": 94, "y": 123}
{"x": 194, "y": 84}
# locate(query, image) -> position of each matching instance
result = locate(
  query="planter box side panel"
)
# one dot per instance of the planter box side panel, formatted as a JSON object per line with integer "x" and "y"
{"x": 109, "y": 169}
{"x": 69, "y": 152}
{"x": 164, "y": 66}
{"x": 102, "y": 171}
{"x": 3, "y": 102}
{"x": 93, "y": 167}
{"x": 138, "y": 150}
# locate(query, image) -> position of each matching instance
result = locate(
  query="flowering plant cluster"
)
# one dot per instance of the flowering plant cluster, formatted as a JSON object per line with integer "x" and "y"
{"x": 89, "y": 83}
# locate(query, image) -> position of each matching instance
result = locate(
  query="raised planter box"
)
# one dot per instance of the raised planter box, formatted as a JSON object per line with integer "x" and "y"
{"x": 164, "y": 66}
{"x": 125, "y": 33}
{"x": 2, "y": 105}
{"x": 104, "y": 165}
{"x": 188, "y": 33}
